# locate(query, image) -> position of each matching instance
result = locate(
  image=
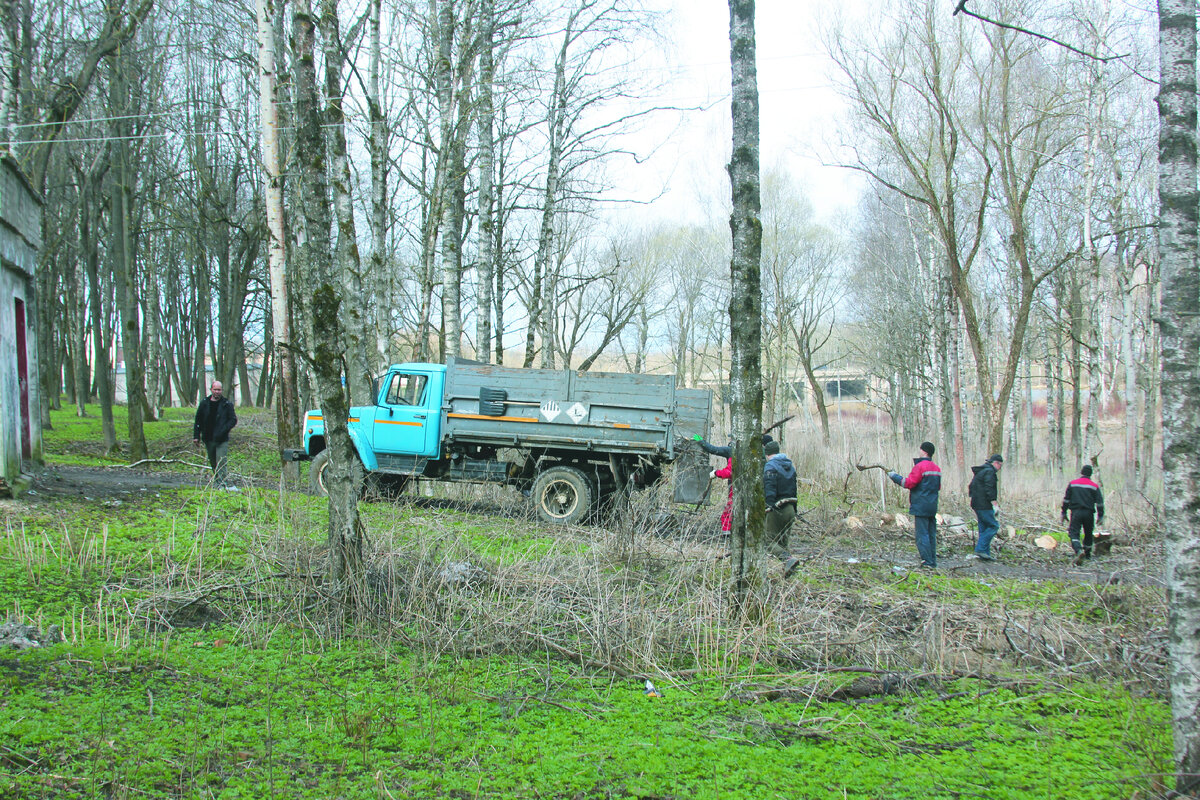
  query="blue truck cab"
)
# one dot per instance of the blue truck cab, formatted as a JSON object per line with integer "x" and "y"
{"x": 405, "y": 420}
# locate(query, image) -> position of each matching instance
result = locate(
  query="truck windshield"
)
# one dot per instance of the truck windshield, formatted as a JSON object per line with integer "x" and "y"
{"x": 407, "y": 389}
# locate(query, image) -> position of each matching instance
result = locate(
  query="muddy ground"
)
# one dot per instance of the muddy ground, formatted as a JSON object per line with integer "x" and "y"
{"x": 106, "y": 483}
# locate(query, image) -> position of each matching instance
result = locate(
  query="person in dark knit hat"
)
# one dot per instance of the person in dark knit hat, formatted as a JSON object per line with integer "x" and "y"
{"x": 924, "y": 483}
{"x": 984, "y": 493}
{"x": 1085, "y": 501}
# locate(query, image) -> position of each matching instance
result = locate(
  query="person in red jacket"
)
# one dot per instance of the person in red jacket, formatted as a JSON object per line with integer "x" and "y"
{"x": 924, "y": 483}
{"x": 1085, "y": 501}
{"x": 725, "y": 473}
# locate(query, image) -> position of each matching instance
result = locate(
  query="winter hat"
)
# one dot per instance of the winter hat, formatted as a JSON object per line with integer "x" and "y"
{"x": 1086, "y": 471}
{"x": 927, "y": 448}
{"x": 771, "y": 448}
{"x": 996, "y": 457}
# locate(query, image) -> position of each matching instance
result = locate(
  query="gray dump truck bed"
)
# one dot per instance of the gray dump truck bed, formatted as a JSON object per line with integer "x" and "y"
{"x": 602, "y": 412}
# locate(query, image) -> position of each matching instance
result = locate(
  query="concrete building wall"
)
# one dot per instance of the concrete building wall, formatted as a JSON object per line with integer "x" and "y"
{"x": 20, "y": 401}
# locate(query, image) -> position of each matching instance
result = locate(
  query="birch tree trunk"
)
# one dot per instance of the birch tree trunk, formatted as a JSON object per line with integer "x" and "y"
{"x": 1091, "y": 435}
{"x": 89, "y": 206}
{"x": 344, "y": 535}
{"x": 960, "y": 456}
{"x": 1179, "y": 324}
{"x": 745, "y": 304}
{"x": 287, "y": 410}
{"x": 485, "y": 270}
{"x": 347, "y": 261}
{"x": 377, "y": 145}
{"x": 79, "y": 332}
{"x": 124, "y": 262}
{"x": 450, "y": 158}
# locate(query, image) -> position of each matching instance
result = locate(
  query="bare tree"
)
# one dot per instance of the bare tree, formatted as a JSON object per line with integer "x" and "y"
{"x": 287, "y": 412}
{"x": 745, "y": 304}
{"x": 1179, "y": 325}
{"x": 345, "y": 533}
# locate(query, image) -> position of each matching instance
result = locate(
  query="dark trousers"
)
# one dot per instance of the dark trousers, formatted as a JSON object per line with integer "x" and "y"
{"x": 218, "y": 458}
{"x": 779, "y": 523}
{"x": 925, "y": 529}
{"x": 1087, "y": 521}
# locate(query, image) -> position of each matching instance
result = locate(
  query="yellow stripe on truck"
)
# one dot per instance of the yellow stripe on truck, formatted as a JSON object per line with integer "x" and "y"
{"x": 485, "y": 416}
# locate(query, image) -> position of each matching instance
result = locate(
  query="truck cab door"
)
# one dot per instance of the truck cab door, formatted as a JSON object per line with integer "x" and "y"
{"x": 407, "y": 417}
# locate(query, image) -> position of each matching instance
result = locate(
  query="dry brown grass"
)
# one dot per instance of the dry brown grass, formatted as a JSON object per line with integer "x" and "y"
{"x": 635, "y": 598}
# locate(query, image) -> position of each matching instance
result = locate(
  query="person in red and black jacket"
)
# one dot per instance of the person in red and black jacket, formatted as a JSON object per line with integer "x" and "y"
{"x": 924, "y": 483}
{"x": 1085, "y": 501}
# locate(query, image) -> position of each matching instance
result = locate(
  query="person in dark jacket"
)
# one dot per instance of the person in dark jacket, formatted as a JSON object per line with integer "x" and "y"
{"x": 984, "y": 501}
{"x": 924, "y": 483}
{"x": 779, "y": 491}
{"x": 725, "y": 451}
{"x": 1085, "y": 501}
{"x": 215, "y": 418}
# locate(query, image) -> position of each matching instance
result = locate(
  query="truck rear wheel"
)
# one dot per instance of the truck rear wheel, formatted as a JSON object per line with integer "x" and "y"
{"x": 563, "y": 495}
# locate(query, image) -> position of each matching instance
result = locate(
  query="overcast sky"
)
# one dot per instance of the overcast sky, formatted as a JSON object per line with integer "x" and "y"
{"x": 798, "y": 104}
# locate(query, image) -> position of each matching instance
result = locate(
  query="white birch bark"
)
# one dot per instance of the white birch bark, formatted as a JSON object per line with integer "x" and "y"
{"x": 745, "y": 307}
{"x": 347, "y": 258}
{"x": 286, "y": 404}
{"x": 486, "y": 268}
{"x": 1179, "y": 324}
{"x": 1091, "y": 436}
{"x": 380, "y": 276}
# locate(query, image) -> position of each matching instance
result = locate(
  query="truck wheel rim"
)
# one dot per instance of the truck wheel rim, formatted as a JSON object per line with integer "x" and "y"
{"x": 559, "y": 499}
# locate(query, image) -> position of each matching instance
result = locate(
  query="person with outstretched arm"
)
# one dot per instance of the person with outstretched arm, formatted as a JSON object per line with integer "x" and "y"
{"x": 924, "y": 483}
{"x": 725, "y": 451}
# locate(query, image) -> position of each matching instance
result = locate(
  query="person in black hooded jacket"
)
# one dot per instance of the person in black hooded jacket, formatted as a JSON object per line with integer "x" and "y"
{"x": 779, "y": 491}
{"x": 984, "y": 502}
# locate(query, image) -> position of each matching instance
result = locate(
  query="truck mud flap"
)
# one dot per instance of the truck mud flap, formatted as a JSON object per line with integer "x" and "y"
{"x": 691, "y": 478}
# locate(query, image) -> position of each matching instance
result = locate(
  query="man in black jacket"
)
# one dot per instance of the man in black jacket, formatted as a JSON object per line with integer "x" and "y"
{"x": 984, "y": 496}
{"x": 215, "y": 418}
{"x": 779, "y": 490}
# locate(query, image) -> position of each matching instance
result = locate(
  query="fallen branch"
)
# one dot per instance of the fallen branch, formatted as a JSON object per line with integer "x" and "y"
{"x": 863, "y": 467}
{"x": 163, "y": 461}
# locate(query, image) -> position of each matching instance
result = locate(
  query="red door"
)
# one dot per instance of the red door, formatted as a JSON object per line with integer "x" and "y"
{"x": 23, "y": 381}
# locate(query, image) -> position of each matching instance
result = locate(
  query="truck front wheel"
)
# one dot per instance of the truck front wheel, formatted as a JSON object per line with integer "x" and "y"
{"x": 316, "y": 474}
{"x": 563, "y": 495}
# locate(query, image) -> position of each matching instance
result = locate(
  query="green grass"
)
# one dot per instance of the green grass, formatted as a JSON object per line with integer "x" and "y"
{"x": 285, "y": 705}
{"x": 290, "y": 717}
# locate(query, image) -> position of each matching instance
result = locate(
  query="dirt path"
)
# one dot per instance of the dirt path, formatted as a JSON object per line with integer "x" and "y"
{"x": 105, "y": 483}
